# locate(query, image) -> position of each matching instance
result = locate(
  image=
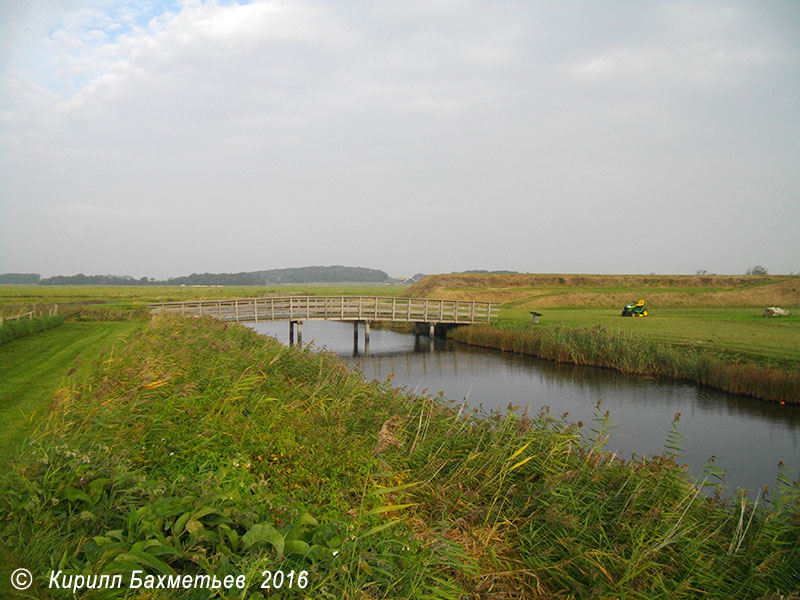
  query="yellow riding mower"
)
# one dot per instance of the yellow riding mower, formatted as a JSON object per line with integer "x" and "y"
{"x": 635, "y": 309}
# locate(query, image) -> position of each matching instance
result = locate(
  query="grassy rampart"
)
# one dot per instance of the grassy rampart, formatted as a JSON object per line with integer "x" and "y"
{"x": 709, "y": 329}
{"x": 201, "y": 447}
{"x": 539, "y": 291}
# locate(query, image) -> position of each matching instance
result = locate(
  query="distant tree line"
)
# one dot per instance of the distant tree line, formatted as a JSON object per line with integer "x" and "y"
{"x": 336, "y": 273}
{"x": 81, "y": 279}
{"x": 332, "y": 274}
{"x": 26, "y": 278}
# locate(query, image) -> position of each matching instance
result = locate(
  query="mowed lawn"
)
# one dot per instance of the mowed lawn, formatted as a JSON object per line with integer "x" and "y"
{"x": 32, "y": 368}
{"x": 742, "y": 333}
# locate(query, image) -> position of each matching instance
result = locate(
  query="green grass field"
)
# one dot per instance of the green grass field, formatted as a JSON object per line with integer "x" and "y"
{"x": 92, "y": 303}
{"x": 203, "y": 448}
{"x": 32, "y": 369}
{"x": 737, "y": 333}
{"x": 136, "y": 296}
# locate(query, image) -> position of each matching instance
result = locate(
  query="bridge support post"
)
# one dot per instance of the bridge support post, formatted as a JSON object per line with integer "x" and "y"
{"x": 432, "y": 330}
{"x": 366, "y": 332}
{"x": 300, "y": 333}
{"x": 291, "y": 333}
{"x": 355, "y": 338}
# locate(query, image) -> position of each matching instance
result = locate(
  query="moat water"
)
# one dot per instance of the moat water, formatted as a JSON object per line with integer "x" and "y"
{"x": 747, "y": 437}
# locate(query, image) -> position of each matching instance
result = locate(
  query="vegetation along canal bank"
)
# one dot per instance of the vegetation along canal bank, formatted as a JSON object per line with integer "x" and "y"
{"x": 706, "y": 329}
{"x": 197, "y": 446}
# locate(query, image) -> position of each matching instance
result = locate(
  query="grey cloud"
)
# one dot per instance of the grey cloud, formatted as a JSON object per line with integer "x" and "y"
{"x": 421, "y": 136}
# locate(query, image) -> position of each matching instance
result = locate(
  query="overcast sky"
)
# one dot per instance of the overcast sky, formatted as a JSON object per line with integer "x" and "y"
{"x": 161, "y": 138}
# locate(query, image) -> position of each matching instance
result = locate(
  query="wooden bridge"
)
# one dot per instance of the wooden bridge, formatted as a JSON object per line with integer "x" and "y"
{"x": 365, "y": 309}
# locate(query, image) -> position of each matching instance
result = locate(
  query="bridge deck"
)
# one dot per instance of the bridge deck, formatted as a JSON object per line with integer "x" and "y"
{"x": 334, "y": 308}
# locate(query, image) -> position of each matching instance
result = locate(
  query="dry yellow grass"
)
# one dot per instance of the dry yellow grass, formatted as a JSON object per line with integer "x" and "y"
{"x": 548, "y": 291}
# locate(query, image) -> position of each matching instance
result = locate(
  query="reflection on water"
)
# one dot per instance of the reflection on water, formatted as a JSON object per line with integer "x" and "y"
{"x": 748, "y": 437}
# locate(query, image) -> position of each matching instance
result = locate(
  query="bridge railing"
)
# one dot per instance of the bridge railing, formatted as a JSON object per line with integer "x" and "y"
{"x": 335, "y": 308}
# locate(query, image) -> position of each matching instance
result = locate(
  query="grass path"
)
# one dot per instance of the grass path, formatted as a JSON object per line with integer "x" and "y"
{"x": 32, "y": 368}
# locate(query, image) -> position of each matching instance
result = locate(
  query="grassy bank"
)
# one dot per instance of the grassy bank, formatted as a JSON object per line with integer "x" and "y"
{"x": 736, "y": 334}
{"x": 202, "y": 447}
{"x": 13, "y": 330}
{"x": 625, "y": 352}
{"x": 31, "y": 370}
{"x": 708, "y": 329}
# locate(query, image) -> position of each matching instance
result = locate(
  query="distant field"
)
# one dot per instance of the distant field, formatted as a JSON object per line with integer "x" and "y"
{"x": 719, "y": 313}
{"x": 118, "y": 300}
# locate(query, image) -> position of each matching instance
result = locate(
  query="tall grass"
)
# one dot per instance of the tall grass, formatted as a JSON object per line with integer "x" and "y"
{"x": 601, "y": 347}
{"x": 12, "y": 330}
{"x": 202, "y": 447}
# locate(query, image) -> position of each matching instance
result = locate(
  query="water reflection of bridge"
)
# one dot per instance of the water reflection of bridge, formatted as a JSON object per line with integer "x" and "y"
{"x": 358, "y": 309}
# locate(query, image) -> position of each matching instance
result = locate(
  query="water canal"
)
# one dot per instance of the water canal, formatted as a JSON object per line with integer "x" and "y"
{"x": 748, "y": 437}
